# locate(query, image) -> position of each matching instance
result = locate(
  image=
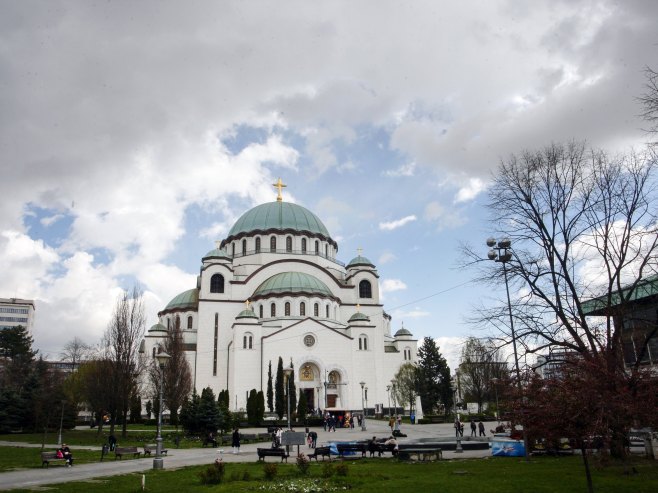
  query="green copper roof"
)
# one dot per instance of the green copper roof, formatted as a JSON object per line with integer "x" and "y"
{"x": 292, "y": 283}
{"x": 187, "y": 300}
{"x": 158, "y": 328}
{"x": 359, "y": 317}
{"x": 279, "y": 216}
{"x": 402, "y": 332}
{"x": 645, "y": 288}
{"x": 359, "y": 260}
{"x": 217, "y": 253}
{"x": 248, "y": 313}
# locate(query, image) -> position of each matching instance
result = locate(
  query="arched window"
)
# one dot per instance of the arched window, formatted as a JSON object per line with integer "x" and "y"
{"x": 273, "y": 244}
{"x": 326, "y": 251}
{"x": 189, "y": 322}
{"x": 154, "y": 352}
{"x": 363, "y": 342}
{"x": 260, "y": 311}
{"x": 233, "y": 250}
{"x": 168, "y": 323}
{"x": 286, "y": 309}
{"x": 272, "y": 310}
{"x": 317, "y": 247}
{"x": 365, "y": 289}
{"x": 303, "y": 245}
{"x": 326, "y": 311}
{"x": 244, "y": 247}
{"x": 258, "y": 245}
{"x": 302, "y": 309}
{"x": 248, "y": 341}
{"x": 217, "y": 283}
{"x": 288, "y": 244}
{"x": 316, "y": 310}
{"x": 177, "y": 323}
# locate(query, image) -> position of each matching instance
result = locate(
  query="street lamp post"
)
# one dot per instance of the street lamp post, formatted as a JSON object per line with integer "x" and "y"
{"x": 501, "y": 251}
{"x": 363, "y": 415}
{"x": 288, "y": 373}
{"x": 388, "y": 392}
{"x": 366, "y": 390}
{"x": 395, "y": 403}
{"x": 61, "y": 424}
{"x": 158, "y": 461}
{"x": 318, "y": 389}
{"x": 458, "y": 447}
{"x": 495, "y": 382}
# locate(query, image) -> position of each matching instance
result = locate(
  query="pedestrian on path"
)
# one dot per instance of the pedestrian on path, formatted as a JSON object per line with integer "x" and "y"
{"x": 481, "y": 428}
{"x": 235, "y": 442}
{"x": 473, "y": 428}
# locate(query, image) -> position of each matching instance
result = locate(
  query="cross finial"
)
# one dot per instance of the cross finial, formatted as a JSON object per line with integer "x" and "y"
{"x": 359, "y": 251}
{"x": 279, "y": 185}
{"x": 247, "y": 303}
{"x": 358, "y": 307}
{"x": 218, "y": 244}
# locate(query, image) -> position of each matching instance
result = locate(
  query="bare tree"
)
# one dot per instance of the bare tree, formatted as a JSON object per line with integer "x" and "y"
{"x": 177, "y": 373}
{"x": 406, "y": 385}
{"x": 650, "y": 99}
{"x": 480, "y": 366}
{"x": 75, "y": 351}
{"x": 121, "y": 346}
{"x": 582, "y": 225}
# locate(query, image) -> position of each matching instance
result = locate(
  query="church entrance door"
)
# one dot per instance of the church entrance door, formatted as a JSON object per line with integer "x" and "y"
{"x": 310, "y": 398}
{"x": 331, "y": 400}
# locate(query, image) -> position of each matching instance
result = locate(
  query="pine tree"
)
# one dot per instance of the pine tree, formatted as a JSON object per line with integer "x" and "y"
{"x": 302, "y": 405}
{"x": 433, "y": 377}
{"x": 280, "y": 401}
{"x": 270, "y": 391}
{"x": 251, "y": 407}
{"x": 293, "y": 390}
{"x": 209, "y": 415}
{"x": 260, "y": 407}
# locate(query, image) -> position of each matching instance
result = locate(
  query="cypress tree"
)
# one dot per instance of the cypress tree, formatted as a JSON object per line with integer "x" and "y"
{"x": 302, "y": 405}
{"x": 260, "y": 407}
{"x": 280, "y": 401}
{"x": 270, "y": 391}
{"x": 292, "y": 389}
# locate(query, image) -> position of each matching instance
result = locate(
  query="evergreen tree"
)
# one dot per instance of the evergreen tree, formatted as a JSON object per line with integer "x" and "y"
{"x": 433, "y": 377}
{"x": 210, "y": 418}
{"x": 270, "y": 391}
{"x": 293, "y": 390}
{"x": 189, "y": 414}
{"x": 149, "y": 408}
{"x": 223, "y": 399}
{"x": 251, "y": 407}
{"x": 280, "y": 401}
{"x": 302, "y": 405}
{"x": 260, "y": 407}
{"x": 136, "y": 409}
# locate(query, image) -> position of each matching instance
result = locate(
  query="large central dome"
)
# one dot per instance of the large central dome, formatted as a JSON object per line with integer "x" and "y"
{"x": 280, "y": 217}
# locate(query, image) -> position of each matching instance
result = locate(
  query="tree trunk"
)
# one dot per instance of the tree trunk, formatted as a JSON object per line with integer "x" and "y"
{"x": 588, "y": 474}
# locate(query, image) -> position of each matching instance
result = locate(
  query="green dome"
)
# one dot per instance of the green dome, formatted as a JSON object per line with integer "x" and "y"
{"x": 279, "y": 217}
{"x": 217, "y": 253}
{"x": 359, "y": 317}
{"x": 158, "y": 328}
{"x": 187, "y": 300}
{"x": 359, "y": 260}
{"x": 403, "y": 332}
{"x": 248, "y": 313}
{"x": 292, "y": 283}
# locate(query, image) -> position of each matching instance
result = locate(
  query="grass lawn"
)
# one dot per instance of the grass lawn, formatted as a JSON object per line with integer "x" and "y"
{"x": 492, "y": 475}
{"x": 24, "y": 458}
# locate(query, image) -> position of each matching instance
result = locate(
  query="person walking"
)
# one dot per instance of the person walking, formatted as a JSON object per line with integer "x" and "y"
{"x": 458, "y": 426}
{"x": 235, "y": 441}
{"x": 481, "y": 428}
{"x": 473, "y": 429}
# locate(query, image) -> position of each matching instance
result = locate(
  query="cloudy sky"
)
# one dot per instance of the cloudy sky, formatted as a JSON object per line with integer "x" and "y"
{"x": 133, "y": 135}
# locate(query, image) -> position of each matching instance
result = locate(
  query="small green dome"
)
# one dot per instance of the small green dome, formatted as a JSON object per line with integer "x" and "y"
{"x": 359, "y": 317}
{"x": 248, "y": 313}
{"x": 278, "y": 217}
{"x": 292, "y": 283}
{"x": 187, "y": 300}
{"x": 158, "y": 328}
{"x": 358, "y": 261}
{"x": 403, "y": 332}
{"x": 218, "y": 253}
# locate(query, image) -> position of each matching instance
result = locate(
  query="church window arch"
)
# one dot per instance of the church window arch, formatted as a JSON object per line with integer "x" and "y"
{"x": 316, "y": 310}
{"x": 260, "y": 311}
{"x": 244, "y": 247}
{"x": 248, "y": 341}
{"x": 272, "y": 310}
{"x": 217, "y": 283}
{"x": 302, "y": 309}
{"x": 232, "y": 249}
{"x": 365, "y": 289}
{"x": 286, "y": 309}
{"x": 257, "y": 244}
{"x": 303, "y": 245}
{"x": 288, "y": 244}
{"x": 153, "y": 352}
{"x": 326, "y": 311}
{"x": 407, "y": 354}
{"x": 168, "y": 323}
{"x": 317, "y": 247}
{"x": 177, "y": 323}
{"x": 272, "y": 243}
{"x": 189, "y": 322}
{"x": 363, "y": 342}
{"x": 326, "y": 251}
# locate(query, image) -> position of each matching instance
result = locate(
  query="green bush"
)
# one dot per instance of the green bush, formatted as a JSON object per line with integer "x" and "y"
{"x": 213, "y": 474}
{"x": 303, "y": 464}
{"x": 270, "y": 469}
{"x": 327, "y": 469}
{"x": 341, "y": 469}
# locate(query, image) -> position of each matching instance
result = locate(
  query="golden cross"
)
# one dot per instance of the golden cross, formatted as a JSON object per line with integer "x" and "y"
{"x": 359, "y": 251}
{"x": 279, "y": 185}
{"x": 247, "y": 303}
{"x": 358, "y": 307}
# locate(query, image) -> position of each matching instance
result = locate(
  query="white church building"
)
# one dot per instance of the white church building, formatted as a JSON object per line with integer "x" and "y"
{"x": 275, "y": 288}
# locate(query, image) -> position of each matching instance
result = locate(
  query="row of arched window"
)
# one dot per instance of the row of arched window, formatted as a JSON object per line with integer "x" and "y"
{"x": 240, "y": 248}
{"x": 301, "y": 310}
{"x": 190, "y": 322}
{"x": 407, "y": 354}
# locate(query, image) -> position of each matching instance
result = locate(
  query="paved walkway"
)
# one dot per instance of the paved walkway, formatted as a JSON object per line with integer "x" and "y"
{"x": 28, "y": 478}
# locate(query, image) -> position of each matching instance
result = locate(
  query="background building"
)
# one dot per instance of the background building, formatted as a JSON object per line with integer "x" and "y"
{"x": 16, "y": 312}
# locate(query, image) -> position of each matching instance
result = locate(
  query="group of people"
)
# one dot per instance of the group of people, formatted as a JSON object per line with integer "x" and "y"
{"x": 459, "y": 428}
{"x": 64, "y": 452}
{"x": 331, "y": 421}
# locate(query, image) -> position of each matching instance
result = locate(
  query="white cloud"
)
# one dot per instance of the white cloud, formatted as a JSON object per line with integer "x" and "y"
{"x": 472, "y": 189}
{"x": 47, "y": 221}
{"x": 444, "y": 218}
{"x": 390, "y": 285}
{"x": 390, "y": 226}
{"x": 386, "y": 258}
{"x": 407, "y": 169}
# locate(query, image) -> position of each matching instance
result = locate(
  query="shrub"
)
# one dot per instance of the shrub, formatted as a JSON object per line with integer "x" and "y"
{"x": 341, "y": 469}
{"x": 327, "y": 469}
{"x": 213, "y": 474}
{"x": 303, "y": 464}
{"x": 270, "y": 470}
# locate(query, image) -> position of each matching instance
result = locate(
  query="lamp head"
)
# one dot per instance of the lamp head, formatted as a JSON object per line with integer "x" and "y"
{"x": 362, "y": 384}
{"x": 505, "y": 243}
{"x": 492, "y": 255}
{"x": 163, "y": 358}
{"x": 491, "y": 242}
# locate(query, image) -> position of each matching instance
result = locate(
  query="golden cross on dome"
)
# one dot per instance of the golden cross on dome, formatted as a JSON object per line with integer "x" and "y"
{"x": 247, "y": 303}
{"x": 359, "y": 251}
{"x": 358, "y": 307}
{"x": 279, "y": 185}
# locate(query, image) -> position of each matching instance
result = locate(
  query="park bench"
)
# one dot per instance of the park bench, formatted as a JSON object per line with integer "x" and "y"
{"x": 209, "y": 441}
{"x": 48, "y": 457}
{"x": 119, "y": 452}
{"x": 379, "y": 448}
{"x": 272, "y": 452}
{"x": 351, "y": 447}
{"x": 420, "y": 454}
{"x": 323, "y": 451}
{"x": 151, "y": 448}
